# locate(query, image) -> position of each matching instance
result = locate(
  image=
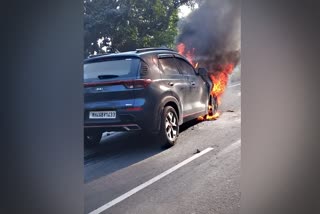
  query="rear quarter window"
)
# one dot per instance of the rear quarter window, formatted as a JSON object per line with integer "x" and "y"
{"x": 144, "y": 68}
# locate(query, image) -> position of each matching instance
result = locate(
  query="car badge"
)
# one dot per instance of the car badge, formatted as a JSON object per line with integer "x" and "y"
{"x": 99, "y": 89}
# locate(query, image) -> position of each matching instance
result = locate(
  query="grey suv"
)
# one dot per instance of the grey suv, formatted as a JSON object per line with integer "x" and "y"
{"x": 152, "y": 90}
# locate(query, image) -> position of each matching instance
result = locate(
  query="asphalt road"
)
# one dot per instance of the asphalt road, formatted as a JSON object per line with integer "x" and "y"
{"x": 128, "y": 174}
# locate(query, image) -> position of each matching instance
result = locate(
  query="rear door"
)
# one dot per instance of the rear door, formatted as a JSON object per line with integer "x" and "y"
{"x": 174, "y": 80}
{"x": 108, "y": 84}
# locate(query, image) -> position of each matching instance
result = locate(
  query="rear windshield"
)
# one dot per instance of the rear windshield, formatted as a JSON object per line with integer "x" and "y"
{"x": 111, "y": 69}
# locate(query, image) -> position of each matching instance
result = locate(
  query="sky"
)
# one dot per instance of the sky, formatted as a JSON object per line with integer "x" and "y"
{"x": 185, "y": 11}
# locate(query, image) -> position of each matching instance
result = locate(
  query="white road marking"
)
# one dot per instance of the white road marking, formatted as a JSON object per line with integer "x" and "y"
{"x": 149, "y": 182}
{"x": 230, "y": 148}
{"x": 230, "y": 86}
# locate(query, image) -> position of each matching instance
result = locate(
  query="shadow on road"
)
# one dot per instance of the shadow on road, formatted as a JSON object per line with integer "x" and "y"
{"x": 188, "y": 125}
{"x": 115, "y": 152}
{"x": 121, "y": 150}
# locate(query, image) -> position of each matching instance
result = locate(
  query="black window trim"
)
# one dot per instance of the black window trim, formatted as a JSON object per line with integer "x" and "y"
{"x": 161, "y": 56}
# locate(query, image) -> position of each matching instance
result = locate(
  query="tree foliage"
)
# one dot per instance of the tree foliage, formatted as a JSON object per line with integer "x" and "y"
{"x": 130, "y": 24}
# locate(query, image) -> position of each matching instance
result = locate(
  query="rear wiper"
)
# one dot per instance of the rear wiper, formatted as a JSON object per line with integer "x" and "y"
{"x": 109, "y": 76}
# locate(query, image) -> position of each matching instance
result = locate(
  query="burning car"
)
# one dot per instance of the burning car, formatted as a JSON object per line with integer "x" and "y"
{"x": 153, "y": 90}
{"x": 218, "y": 68}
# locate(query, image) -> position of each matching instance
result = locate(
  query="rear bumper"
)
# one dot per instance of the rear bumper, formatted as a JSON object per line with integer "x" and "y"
{"x": 143, "y": 115}
{"x": 119, "y": 127}
{"x": 125, "y": 121}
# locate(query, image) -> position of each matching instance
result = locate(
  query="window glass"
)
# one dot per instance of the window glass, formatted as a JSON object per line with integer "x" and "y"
{"x": 168, "y": 65}
{"x": 185, "y": 67}
{"x": 144, "y": 69}
{"x": 115, "y": 68}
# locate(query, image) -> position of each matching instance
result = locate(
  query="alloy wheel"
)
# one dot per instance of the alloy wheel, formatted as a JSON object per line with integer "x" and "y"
{"x": 171, "y": 126}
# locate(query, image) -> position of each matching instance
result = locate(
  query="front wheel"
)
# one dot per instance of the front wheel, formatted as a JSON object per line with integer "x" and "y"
{"x": 213, "y": 105}
{"x": 169, "y": 130}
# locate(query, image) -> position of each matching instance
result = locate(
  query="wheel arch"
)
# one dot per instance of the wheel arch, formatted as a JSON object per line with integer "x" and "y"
{"x": 174, "y": 103}
{"x": 175, "y": 106}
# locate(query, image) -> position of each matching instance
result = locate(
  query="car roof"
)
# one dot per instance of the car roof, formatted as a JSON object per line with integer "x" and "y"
{"x": 140, "y": 53}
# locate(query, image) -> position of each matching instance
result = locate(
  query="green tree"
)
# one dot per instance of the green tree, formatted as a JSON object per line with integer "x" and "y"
{"x": 130, "y": 24}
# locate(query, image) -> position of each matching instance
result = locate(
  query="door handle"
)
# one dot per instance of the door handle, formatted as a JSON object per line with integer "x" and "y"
{"x": 170, "y": 83}
{"x": 193, "y": 83}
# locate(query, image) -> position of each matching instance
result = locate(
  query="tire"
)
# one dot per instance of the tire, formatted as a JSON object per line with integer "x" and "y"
{"x": 213, "y": 101}
{"x": 169, "y": 130}
{"x": 92, "y": 137}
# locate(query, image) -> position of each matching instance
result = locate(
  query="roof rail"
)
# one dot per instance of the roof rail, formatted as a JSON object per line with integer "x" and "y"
{"x": 93, "y": 56}
{"x": 152, "y": 49}
{"x": 113, "y": 50}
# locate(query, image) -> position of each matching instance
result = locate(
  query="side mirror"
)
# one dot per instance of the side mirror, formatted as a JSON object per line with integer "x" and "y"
{"x": 202, "y": 72}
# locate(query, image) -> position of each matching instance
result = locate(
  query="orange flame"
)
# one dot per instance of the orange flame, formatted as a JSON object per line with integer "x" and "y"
{"x": 220, "y": 81}
{"x": 210, "y": 117}
{"x": 219, "y": 78}
{"x": 188, "y": 54}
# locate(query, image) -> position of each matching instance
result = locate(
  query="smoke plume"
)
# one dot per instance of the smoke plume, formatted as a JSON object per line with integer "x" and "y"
{"x": 212, "y": 33}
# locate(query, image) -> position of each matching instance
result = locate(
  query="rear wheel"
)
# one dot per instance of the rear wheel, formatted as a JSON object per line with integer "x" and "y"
{"x": 92, "y": 137}
{"x": 169, "y": 130}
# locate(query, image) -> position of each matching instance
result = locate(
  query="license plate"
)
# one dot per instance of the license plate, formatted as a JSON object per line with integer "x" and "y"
{"x": 102, "y": 114}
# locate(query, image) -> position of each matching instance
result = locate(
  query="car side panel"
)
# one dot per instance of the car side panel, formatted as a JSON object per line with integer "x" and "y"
{"x": 199, "y": 93}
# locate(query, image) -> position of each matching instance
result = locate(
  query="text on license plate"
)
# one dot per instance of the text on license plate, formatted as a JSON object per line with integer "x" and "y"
{"x": 102, "y": 114}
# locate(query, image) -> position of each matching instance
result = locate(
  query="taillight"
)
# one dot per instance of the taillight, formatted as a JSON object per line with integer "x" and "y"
{"x": 139, "y": 83}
